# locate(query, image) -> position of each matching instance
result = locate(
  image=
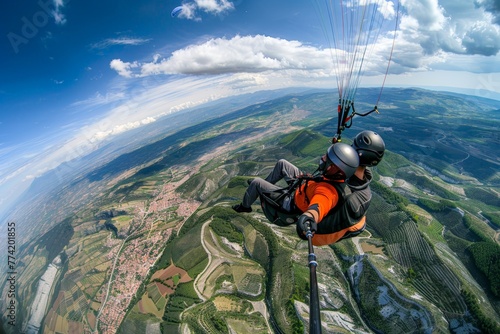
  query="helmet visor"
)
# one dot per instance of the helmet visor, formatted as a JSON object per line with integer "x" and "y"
{"x": 331, "y": 170}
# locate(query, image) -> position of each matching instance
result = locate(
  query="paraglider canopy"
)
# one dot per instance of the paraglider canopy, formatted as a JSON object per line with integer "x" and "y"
{"x": 176, "y": 11}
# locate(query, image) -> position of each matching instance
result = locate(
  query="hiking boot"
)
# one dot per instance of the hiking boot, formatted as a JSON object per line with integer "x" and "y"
{"x": 241, "y": 208}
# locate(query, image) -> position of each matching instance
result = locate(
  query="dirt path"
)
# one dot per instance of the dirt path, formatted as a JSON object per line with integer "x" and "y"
{"x": 356, "y": 241}
{"x": 215, "y": 259}
{"x": 260, "y": 306}
{"x": 200, "y": 281}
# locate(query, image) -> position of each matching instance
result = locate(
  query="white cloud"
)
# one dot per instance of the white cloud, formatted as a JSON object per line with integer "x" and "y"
{"x": 428, "y": 13}
{"x": 247, "y": 54}
{"x": 119, "y": 41}
{"x": 59, "y": 17}
{"x": 120, "y": 128}
{"x": 482, "y": 38}
{"x": 190, "y": 10}
{"x": 214, "y": 6}
{"x": 123, "y": 68}
{"x": 490, "y": 6}
{"x": 245, "y": 80}
{"x": 386, "y": 8}
{"x": 262, "y": 54}
{"x": 99, "y": 99}
{"x": 451, "y": 26}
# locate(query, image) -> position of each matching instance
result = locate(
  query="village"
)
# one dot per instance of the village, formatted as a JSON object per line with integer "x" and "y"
{"x": 135, "y": 256}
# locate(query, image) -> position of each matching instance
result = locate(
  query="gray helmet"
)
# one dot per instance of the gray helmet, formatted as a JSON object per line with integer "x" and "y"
{"x": 370, "y": 147}
{"x": 344, "y": 157}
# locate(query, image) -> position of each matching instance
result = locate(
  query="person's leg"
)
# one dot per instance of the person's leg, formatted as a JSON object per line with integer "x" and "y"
{"x": 255, "y": 189}
{"x": 283, "y": 170}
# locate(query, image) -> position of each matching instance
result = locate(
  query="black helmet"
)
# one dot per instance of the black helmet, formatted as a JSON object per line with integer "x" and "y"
{"x": 370, "y": 147}
{"x": 342, "y": 156}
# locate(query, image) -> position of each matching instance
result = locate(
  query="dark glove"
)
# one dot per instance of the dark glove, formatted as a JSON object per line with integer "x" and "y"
{"x": 305, "y": 223}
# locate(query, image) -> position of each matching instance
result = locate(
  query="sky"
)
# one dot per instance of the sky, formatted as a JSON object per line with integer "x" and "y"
{"x": 76, "y": 73}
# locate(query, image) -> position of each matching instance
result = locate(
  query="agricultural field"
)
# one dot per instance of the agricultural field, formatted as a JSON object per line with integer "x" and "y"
{"x": 163, "y": 284}
{"x": 80, "y": 286}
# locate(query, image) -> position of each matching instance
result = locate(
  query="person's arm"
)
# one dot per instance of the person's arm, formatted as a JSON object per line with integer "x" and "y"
{"x": 324, "y": 199}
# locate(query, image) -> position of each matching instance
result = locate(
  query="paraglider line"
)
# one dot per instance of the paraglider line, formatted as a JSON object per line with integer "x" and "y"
{"x": 390, "y": 56}
{"x": 354, "y": 26}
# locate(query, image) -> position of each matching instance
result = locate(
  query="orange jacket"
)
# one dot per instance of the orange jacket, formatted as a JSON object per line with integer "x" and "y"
{"x": 317, "y": 200}
{"x": 330, "y": 238}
